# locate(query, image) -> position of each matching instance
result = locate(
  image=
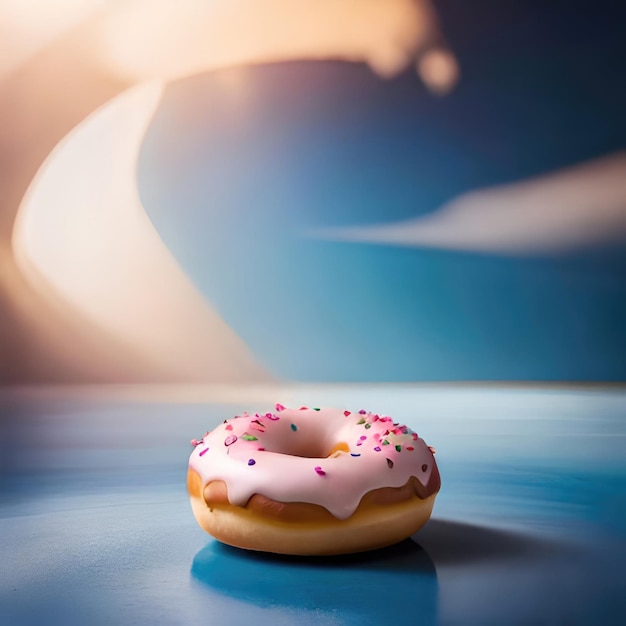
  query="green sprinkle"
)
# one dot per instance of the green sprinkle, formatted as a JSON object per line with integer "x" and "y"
{"x": 316, "y": 409}
{"x": 399, "y": 448}
{"x": 385, "y": 443}
{"x": 294, "y": 428}
{"x": 368, "y": 425}
{"x": 361, "y": 421}
{"x": 248, "y": 437}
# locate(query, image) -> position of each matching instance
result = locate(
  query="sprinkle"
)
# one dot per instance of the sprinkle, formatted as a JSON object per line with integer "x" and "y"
{"x": 203, "y": 452}
{"x": 346, "y": 413}
{"x": 363, "y": 437}
{"x": 251, "y": 462}
{"x": 424, "y": 467}
{"x": 271, "y": 417}
{"x": 230, "y": 440}
{"x": 355, "y": 454}
{"x": 254, "y": 426}
{"x": 362, "y": 411}
{"x": 361, "y": 421}
{"x": 261, "y": 449}
{"x": 378, "y": 448}
{"x": 279, "y": 407}
{"x": 195, "y": 442}
{"x": 389, "y": 463}
{"x": 303, "y": 408}
{"x": 359, "y": 443}
{"x": 320, "y": 471}
{"x": 294, "y": 428}
{"x": 385, "y": 442}
{"x": 414, "y": 436}
{"x": 399, "y": 448}
{"x": 368, "y": 425}
{"x": 432, "y": 450}
{"x": 229, "y": 426}
{"x": 249, "y": 437}
{"x": 316, "y": 409}
{"x": 410, "y": 448}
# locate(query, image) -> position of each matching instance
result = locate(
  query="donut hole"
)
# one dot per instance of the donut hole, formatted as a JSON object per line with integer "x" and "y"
{"x": 315, "y": 450}
{"x": 339, "y": 448}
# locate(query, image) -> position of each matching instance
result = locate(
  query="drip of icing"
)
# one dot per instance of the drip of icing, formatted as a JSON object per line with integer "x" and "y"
{"x": 291, "y": 462}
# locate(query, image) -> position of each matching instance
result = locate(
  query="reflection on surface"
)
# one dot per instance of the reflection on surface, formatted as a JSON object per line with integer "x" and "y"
{"x": 357, "y": 587}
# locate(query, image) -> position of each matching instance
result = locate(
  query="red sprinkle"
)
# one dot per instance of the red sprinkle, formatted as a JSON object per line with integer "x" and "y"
{"x": 229, "y": 426}
{"x": 410, "y": 448}
{"x": 346, "y": 413}
{"x": 279, "y": 407}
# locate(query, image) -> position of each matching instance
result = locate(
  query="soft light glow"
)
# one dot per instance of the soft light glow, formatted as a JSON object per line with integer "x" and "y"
{"x": 26, "y": 26}
{"x": 83, "y": 229}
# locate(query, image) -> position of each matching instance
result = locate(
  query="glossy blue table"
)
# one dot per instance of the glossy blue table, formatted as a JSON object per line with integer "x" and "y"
{"x": 528, "y": 528}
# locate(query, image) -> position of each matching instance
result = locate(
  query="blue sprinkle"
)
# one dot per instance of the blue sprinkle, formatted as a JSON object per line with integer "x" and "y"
{"x": 353, "y": 454}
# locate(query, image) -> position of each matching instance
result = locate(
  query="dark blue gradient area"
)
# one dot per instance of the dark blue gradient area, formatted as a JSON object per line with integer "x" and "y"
{"x": 239, "y": 166}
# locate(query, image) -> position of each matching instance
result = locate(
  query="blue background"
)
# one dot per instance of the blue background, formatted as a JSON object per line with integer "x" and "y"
{"x": 235, "y": 177}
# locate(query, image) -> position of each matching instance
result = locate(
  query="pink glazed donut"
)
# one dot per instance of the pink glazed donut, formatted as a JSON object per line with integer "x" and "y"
{"x": 312, "y": 481}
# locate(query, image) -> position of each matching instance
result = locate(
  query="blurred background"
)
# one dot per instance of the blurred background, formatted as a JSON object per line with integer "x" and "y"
{"x": 356, "y": 191}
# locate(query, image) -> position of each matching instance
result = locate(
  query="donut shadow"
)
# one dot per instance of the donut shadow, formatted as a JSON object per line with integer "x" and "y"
{"x": 354, "y": 588}
{"x": 457, "y": 544}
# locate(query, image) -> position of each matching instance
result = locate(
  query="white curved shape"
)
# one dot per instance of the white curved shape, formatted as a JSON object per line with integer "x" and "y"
{"x": 576, "y": 207}
{"x": 83, "y": 228}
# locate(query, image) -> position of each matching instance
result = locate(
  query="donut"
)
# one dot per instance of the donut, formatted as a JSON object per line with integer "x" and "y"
{"x": 311, "y": 481}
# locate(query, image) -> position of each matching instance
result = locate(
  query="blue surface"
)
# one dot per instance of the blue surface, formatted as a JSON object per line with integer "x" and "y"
{"x": 528, "y": 528}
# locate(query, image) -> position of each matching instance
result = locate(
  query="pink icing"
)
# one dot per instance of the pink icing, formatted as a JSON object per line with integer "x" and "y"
{"x": 283, "y": 456}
